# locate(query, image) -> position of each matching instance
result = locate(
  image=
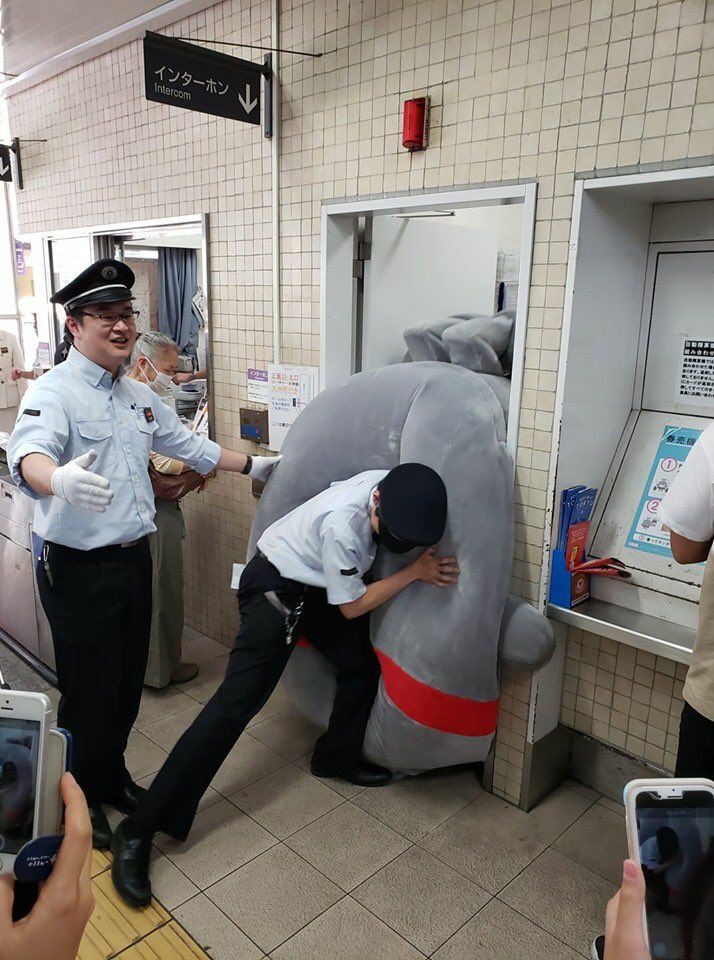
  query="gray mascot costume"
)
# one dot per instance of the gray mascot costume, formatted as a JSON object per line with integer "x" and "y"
{"x": 439, "y": 650}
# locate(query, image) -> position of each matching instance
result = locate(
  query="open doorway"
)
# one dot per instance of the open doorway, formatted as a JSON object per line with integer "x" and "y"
{"x": 395, "y": 264}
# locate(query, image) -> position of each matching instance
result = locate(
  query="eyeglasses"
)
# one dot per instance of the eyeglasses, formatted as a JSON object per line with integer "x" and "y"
{"x": 111, "y": 319}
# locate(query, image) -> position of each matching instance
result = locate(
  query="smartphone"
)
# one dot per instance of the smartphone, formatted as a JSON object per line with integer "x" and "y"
{"x": 24, "y": 718}
{"x": 670, "y": 833}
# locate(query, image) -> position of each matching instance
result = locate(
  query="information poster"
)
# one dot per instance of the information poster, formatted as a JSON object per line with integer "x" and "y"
{"x": 291, "y": 388}
{"x": 647, "y": 532}
{"x": 696, "y": 378}
{"x": 258, "y": 390}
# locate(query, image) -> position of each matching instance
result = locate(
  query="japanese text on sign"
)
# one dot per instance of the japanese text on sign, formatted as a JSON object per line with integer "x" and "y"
{"x": 291, "y": 388}
{"x": 647, "y": 532}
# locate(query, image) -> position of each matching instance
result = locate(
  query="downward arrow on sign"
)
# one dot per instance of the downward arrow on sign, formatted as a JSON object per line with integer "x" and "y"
{"x": 247, "y": 104}
{"x": 3, "y": 169}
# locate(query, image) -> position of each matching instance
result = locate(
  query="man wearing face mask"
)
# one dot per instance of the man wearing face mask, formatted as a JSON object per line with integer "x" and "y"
{"x": 154, "y": 360}
{"x": 80, "y": 449}
{"x": 306, "y": 579}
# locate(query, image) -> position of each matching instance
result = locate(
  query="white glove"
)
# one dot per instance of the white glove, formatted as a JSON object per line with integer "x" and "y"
{"x": 79, "y": 486}
{"x": 262, "y": 467}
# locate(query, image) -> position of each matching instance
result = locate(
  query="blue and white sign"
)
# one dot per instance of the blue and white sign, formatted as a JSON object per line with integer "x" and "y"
{"x": 647, "y": 533}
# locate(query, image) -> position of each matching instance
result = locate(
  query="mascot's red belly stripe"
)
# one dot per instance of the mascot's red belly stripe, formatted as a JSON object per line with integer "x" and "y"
{"x": 434, "y": 708}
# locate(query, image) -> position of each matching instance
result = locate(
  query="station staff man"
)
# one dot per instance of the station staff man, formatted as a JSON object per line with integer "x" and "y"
{"x": 12, "y": 364}
{"x": 688, "y": 511}
{"x": 94, "y": 574}
{"x": 307, "y": 578}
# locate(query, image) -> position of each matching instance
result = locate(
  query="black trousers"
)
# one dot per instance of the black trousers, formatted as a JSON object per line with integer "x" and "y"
{"x": 98, "y": 603}
{"x": 256, "y": 663}
{"x": 695, "y": 756}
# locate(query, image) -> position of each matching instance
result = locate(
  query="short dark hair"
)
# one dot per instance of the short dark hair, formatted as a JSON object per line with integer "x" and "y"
{"x": 668, "y": 842}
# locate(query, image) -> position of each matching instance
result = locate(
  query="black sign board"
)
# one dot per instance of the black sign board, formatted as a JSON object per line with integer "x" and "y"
{"x": 5, "y": 164}
{"x": 184, "y": 75}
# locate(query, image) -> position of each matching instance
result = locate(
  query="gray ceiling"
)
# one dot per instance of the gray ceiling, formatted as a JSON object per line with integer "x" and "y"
{"x": 35, "y": 30}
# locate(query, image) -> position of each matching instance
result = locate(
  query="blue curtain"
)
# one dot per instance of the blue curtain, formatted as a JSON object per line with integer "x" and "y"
{"x": 177, "y": 288}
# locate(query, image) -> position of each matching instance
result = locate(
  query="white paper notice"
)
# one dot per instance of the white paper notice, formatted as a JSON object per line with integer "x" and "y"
{"x": 696, "y": 380}
{"x": 238, "y": 569}
{"x": 291, "y": 389}
{"x": 258, "y": 390}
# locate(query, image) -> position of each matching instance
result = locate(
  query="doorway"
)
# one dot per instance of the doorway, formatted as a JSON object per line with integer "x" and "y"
{"x": 393, "y": 264}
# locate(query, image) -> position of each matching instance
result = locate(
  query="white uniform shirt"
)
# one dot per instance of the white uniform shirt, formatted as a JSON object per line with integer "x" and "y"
{"x": 10, "y": 356}
{"x": 688, "y": 508}
{"x": 328, "y": 541}
{"x": 77, "y": 407}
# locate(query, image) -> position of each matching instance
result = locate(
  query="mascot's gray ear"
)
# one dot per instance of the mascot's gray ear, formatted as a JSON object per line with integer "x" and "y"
{"x": 527, "y": 639}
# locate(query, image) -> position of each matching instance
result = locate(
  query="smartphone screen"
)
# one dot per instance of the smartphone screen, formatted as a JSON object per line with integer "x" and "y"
{"x": 19, "y": 751}
{"x": 676, "y": 841}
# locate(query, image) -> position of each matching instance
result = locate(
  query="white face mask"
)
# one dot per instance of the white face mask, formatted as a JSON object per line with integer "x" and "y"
{"x": 162, "y": 383}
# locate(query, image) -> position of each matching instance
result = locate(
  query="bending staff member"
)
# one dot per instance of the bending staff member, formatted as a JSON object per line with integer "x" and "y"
{"x": 94, "y": 574}
{"x": 308, "y": 570}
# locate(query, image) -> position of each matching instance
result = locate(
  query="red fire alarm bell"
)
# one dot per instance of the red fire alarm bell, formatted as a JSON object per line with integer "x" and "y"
{"x": 414, "y": 124}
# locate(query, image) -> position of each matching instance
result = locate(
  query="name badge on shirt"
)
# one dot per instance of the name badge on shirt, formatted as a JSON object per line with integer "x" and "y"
{"x": 4, "y": 349}
{"x": 148, "y": 415}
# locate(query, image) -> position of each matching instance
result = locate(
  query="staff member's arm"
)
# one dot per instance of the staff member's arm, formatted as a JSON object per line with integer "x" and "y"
{"x": 342, "y": 560}
{"x": 688, "y": 508}
{"x": 174, "y": 439}
{"x": 35, "y": 449}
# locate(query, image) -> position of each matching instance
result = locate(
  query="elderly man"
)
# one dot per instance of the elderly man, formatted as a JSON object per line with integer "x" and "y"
{"x": 94, "y": 574}
{"x": 154, "y": 360}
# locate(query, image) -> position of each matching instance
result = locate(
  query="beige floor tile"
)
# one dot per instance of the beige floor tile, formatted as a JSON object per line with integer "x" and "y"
{"x": 221, "y": 840}
{"x": 214, "y": 932}
{"x": 198, "y": 649}
{"x": 499, "y": 933}
{"x": 166, "y": 732}
{"x": 159, "y": 704}
{"x": 248, "y": 761}
{"x": 168, "y": 884}
{"x": 488, "y": 842}
{"x": 613, "y": 805}
{"x": 286, "y": 801}
{"x": 416, "y": 805}
{"x": 274, "y": 896}
{"x": 345, "y": 789}
{"x": 421, "y": 898}
{"x": 347, "y": 845}
{"x": 563, "y": 897}
{"x": 190, "y": 633}
{"x": 208, "y": 680}
{"x": 580, "y": 788}
{"x": 278, "y": 702}
{"x": 346, "y": 932}
{"x": 552, "y": 816}
{"x": 288, "y": 733}
{"x": 597, "y": 841}
{"x": 142, "y": 756}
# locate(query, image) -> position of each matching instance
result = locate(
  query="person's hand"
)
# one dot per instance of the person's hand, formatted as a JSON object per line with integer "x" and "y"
{"x": 262, "y": 467}
{"x": 441, "y": 571}
{"x": 182, "y": 377}
{"x": 79, "y": 486}
{"x": 624, "y": 930}
{"x": 204, "y": 483}
{"x": 56, "y": 923}
{"x": 16, "y": 373}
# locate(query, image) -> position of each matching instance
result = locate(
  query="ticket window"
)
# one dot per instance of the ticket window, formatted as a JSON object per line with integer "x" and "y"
{"x": 638, "y": 389}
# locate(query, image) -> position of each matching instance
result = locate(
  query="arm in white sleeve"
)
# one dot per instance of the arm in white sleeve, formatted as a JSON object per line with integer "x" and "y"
{"x": 688, "y": 508}
{"x": 42, "y": 427}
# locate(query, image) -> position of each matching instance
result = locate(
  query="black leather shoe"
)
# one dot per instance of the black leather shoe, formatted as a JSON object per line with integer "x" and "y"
{"x": 127, "y": 799}
{"x": 101, "y": 831}
{"x": 130, "y": 868}
{"x": 363, "y": 774}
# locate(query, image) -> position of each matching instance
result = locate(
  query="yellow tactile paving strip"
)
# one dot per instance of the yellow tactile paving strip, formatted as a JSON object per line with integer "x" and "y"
{"x": 116, "y": 929}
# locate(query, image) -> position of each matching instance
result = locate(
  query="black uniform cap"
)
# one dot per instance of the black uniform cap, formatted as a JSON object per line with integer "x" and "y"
{"x": 413, "y": 504}
{"x": 106, "y": 281}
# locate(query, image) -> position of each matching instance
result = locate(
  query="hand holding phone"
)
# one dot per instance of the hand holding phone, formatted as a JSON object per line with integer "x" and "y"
{"x": 624, "y": 932}
{"x": 56, "y": 924}
{"x": 670, "y": 833}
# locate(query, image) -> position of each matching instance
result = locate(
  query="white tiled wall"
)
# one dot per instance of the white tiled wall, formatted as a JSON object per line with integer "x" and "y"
{"x": 520, "y": 89}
